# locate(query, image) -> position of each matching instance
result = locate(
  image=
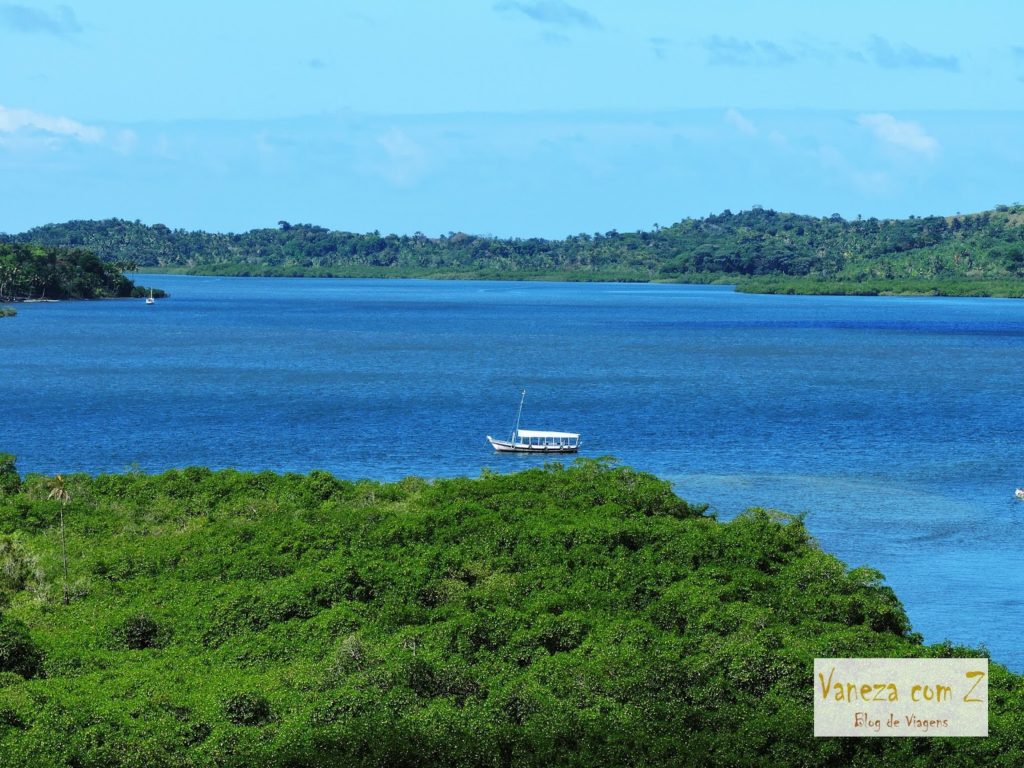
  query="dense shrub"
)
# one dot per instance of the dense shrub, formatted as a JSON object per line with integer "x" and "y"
{"x": 566, "y": 615}
{"x": 138, "y": 632}
{"x": 18, "y": 652}
{"x": 10, "y": 481}
{"x": 247, "y": 709}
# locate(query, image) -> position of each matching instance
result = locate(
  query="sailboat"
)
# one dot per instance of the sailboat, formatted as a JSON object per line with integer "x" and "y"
{"x": 150, "y": 299}
{"x": 534, "y": 441}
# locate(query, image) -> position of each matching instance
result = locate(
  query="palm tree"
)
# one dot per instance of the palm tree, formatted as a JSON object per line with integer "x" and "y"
{"x": 59, "y": 491}
{"x": 8, "y": 278}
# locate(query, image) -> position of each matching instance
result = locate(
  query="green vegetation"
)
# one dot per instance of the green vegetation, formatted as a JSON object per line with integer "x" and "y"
{"x": 8, "y": 312}
{"x": 962, "y": 254}
{"x": 1008, "y": 289}
{"x": 578, "y": 616}
{"x": 53, "y": 272}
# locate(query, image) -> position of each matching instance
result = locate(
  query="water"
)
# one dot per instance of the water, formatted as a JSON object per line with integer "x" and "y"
{"x": 892, "y": 423}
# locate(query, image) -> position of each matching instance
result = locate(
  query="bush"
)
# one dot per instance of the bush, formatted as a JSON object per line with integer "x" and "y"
{"x": 19, "y": 567}
{"x": 247, "y": 709}
{"x": 138, "y": 632}
{"x": 18, "y": 653}
{"x": 10, "y": 482}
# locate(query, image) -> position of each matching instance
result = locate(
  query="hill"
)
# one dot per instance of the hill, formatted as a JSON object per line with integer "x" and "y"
{"x": 560, "y": 616}
{"x": 54, "y": 272}
{"x": 749, "y": 245}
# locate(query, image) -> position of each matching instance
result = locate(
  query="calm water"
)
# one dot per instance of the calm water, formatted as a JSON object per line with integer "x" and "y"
{"x": 893, "y": 423}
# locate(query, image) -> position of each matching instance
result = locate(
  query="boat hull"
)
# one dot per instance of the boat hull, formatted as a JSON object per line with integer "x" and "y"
{"x": 504, "y": 446}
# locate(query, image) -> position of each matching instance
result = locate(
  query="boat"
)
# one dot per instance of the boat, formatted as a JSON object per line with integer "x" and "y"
{"x": 150, "y": 299}
{"x": 535, "y": 441}
{"x": 1019, "y": 493}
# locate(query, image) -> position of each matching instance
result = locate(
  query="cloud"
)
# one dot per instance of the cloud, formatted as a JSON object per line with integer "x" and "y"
{"x": 902, "y": 134}
{"x": 737, "y": 52}
{"x": 25, "y": 120}
{"x": 22, "y": 18}
{"x": 731, "y": 51}
{"x": 660, "y": 46}
{"x": 554, "y": 12}
{"x": 736, "y": 119}
{"x": 904, "y": 56}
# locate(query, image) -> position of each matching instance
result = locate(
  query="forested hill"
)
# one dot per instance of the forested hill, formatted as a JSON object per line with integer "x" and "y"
{"x": 759, "y": 242}
{"x": 50, "y": 272}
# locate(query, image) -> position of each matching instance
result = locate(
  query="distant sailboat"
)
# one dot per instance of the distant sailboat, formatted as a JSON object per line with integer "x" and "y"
{"x": 532, "y": 441}
{"x": 150, "y": 299}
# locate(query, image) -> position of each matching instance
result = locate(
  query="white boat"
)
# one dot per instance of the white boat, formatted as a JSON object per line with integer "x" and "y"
{"x": 150, "y": 299}
{"x": 1019, "y": 493}
{"x": 535, "y": 441}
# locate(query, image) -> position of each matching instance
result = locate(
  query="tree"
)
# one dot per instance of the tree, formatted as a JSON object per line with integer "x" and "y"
{"x": 59, "y": 491}
{"x": 10, "y": 482}
{"x": 8, "y": 276}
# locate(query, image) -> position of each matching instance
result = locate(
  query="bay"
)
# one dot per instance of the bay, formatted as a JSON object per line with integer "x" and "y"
{"x": 891, "y": 423}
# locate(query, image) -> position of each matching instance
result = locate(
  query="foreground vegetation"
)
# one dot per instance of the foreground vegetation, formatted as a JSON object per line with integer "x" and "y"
{"x": 962, "y": 254}
{"x": 53, "y": 272}
{"x": 560, "y": 616}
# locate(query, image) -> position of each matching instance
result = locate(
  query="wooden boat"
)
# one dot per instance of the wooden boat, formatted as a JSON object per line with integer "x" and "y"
{"x": 535, "y": 441}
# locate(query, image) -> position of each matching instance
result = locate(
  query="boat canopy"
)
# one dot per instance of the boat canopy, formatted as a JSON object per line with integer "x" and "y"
{"x": 528, "y": 433}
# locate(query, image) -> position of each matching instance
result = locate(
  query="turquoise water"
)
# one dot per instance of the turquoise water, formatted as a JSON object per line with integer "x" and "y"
{"x": 893, "y": 423}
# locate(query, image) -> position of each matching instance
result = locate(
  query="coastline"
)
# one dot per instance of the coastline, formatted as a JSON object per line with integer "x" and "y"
{"x": 767, "y": 285}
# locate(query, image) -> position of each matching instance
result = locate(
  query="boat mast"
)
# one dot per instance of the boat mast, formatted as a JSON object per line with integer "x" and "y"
{"x": 515, "y": 431}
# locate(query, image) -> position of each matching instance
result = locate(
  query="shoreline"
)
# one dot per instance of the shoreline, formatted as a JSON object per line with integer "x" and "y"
{"x": 767, "y": 286}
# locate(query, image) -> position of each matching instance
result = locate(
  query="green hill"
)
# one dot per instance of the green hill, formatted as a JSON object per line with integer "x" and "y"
{"x": 55, "y": 272}
{"x": 579, "y": 616}
{"x": 747, "y": 246}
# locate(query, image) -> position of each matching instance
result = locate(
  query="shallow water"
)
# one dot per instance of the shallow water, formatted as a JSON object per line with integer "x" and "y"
{"x": 891, "y": 422}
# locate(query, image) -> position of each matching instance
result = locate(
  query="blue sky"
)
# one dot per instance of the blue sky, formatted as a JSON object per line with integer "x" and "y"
{"x": 505, "y": 117}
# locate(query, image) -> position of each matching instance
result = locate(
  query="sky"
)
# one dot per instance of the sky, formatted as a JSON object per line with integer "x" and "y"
{"x": 505, "y": 117}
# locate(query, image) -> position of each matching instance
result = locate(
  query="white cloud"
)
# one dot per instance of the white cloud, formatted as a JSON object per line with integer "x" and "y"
{"x": 902, "y": 134}
{"x": 737, "y": 120}
{"x": 25, "y": 120}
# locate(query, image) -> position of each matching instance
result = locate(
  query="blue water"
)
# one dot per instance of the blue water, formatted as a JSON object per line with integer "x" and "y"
{"x": 893, "y": 423}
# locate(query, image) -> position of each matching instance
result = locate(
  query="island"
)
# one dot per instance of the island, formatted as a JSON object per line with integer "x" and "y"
{"x": 759, "y": 250}
{"x": 31, "y": 272}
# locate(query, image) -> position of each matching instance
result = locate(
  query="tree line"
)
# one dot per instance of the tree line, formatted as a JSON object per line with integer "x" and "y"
{"x": 53, "y": 272}
{"x": 755, "y": 243}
